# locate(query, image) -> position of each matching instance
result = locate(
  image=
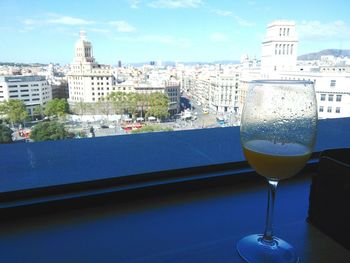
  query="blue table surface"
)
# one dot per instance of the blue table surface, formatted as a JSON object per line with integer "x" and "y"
{"x": 200, "y": 226}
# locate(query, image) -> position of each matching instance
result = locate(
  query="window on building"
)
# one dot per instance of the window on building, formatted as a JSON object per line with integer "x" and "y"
{"x": 333, "y": 83}
{"x": 323, "y": 97}
{"x": 338, "y": 98}
{"x": 330, "y": 97}
{"x": 337, "y": 110}
{"x": 329, "y": 109}
{"x": 321, "y": 109}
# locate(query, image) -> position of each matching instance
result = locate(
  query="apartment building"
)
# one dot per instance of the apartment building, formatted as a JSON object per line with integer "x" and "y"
{"x": 32, "y": 90}
{"x": 332, "y": 92}
{"x": 88, "y": 80}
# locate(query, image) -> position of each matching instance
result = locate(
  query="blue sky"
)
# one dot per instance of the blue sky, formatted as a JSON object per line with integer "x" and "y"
{"x": 176, "y": 30}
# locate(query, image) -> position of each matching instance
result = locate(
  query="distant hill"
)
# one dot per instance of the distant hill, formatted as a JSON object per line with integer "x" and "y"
{"x": 326, "y": 52}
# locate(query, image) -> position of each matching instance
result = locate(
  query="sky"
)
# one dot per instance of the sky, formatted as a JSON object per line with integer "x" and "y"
{"x": 163, "y": 30}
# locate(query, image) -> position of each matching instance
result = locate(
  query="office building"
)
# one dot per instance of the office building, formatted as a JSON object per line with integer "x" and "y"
{"x": 32, "y": 90}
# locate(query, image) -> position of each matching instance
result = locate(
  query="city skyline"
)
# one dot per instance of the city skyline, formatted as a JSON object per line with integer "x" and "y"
{"x": 174, "y": 30}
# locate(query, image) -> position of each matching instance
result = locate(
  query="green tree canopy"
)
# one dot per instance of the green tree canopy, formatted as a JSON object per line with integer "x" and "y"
{"x": 119, "y": 101}
{"x": 49, "y": 131}
{"x": 57, "y": 107}
{"x": 38, "y": 111}
{"x": 158, "y": 105}
{"x": 14, "y": 110}
{"x": 5, "y": 134}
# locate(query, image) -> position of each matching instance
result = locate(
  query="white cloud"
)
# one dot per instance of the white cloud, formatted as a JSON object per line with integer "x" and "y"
{"x": 320, "y": 31}
{"x": 56, "y": 19}
{"x": 30, "y": 22}
{"x": 239, "y": 20}
{"x": 218, "y": 37}
{"x": 222, "y": 12}
{"x": 134, "y": 3}
{"x": 122, "y": 26}
{"x": 68, "y": 20}
{"x": 242, "y": 22}
{"x": 175, "y": 4}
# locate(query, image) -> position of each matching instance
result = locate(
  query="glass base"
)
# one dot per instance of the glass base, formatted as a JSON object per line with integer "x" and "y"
{"x": 254, "y": 249}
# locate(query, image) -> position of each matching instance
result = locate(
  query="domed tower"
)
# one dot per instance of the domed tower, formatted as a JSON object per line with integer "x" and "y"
{"x": 88, "y": 81}
{"x": 83, "y": 50}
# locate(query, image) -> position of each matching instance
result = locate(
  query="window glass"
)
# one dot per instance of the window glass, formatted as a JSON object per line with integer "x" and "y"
{"x": 175, "y": 65}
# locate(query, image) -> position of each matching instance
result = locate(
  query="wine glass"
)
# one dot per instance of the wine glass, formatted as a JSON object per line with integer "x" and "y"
{"x": 278, "y": 132}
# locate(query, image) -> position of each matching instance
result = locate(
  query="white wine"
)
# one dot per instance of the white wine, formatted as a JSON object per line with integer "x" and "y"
{"x": 276, "y": 160}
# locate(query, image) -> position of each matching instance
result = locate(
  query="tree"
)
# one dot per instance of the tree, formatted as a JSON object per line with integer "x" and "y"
{"x": 56, "y": 107}
{"x": 104, "y": 106}
{"x": 133, "y": 102}
{"x": 118, "y": 101}
{"x": 38, "y": 111}
{"x": 81, "y": 108}
{"x": 49, "y": 131}
{"x": 158, "y": 105}
{"x": 5, "y": 134}
{"x": 14, "y": 110}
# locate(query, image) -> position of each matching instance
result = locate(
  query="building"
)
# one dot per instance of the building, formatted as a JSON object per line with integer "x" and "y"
{"x": 32, "y": 90}
{"x": 332, "y": 91}
{"x": 279, "y": 61}
{"x": 60, "y": 89}
{"x": 223, "y": 93}
{"x": 88, "y": 80}
{"x": 279, "y": 48}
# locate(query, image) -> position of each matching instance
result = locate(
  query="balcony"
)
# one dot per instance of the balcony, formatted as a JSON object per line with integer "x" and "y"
{"x": 160, "y": 197}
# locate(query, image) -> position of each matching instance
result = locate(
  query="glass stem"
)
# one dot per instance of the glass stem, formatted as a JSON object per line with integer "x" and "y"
{"x": 268, "y": 234}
